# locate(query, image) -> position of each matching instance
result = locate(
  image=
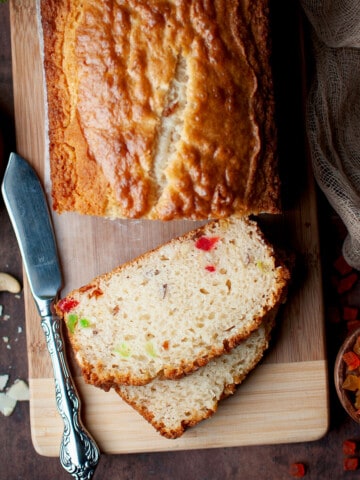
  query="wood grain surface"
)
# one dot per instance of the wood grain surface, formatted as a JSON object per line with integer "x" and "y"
{"x": 285, "y": 400}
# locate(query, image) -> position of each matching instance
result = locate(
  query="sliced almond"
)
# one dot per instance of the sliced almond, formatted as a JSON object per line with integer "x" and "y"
{"x": 18, "y": 391}
{"x": 7, "y": 404}
{"x": 3, "y": 380}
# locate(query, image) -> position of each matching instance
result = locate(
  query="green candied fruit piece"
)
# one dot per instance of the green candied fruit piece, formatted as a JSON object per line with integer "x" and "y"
{"x": 84, "y": 323}
{"x": 72, "y": 321}
{"x": 123, "y": 349}
{"x": 150, "y": 349}
{"x": 264, "y": 267}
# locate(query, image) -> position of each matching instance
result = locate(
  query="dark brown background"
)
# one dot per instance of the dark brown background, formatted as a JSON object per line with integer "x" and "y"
{"x": 18, "y": 460}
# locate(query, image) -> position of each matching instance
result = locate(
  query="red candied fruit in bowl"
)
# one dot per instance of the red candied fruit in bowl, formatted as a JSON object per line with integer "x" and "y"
{"x": 347, "y": 375}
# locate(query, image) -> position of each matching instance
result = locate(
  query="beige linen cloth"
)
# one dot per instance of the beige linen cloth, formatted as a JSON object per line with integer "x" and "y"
{"x": 333, "y": 111}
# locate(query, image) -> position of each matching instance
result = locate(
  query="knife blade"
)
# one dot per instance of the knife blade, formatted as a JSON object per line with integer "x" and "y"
{"x": 28, "y": 210}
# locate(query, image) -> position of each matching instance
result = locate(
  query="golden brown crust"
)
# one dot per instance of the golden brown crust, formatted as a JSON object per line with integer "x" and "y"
{"x": 108, "y": 101}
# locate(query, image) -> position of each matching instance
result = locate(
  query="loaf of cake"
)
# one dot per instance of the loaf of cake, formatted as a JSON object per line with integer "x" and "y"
{"x": 160, "y": 110}
{"x": 172, "y": 406}
{"x": 173, "y": 309}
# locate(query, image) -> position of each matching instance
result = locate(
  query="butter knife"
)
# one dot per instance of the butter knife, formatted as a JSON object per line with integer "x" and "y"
{"x": 29, "y": 214}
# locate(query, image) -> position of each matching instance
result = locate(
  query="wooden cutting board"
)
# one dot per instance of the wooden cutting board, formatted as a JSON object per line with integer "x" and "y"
{"x": 284, "y": 400}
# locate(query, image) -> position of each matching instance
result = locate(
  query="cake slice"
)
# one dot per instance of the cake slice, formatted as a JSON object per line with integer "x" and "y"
{"x": 173, "y": 309}
{"x": 172, "y": 406}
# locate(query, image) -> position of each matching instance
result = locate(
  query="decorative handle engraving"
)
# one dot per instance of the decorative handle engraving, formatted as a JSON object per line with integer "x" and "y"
{"x": 79, "y": 454}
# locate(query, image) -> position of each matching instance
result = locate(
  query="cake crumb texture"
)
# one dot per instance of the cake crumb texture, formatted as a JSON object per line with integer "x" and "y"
{"x": 172, "y": 406}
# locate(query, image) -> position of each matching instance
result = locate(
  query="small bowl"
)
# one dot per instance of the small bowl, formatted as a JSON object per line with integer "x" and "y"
{"x": 346, "y": 397}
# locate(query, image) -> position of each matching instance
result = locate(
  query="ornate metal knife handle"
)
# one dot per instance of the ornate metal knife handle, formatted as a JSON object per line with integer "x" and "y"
{"x": 79, "y": 454}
